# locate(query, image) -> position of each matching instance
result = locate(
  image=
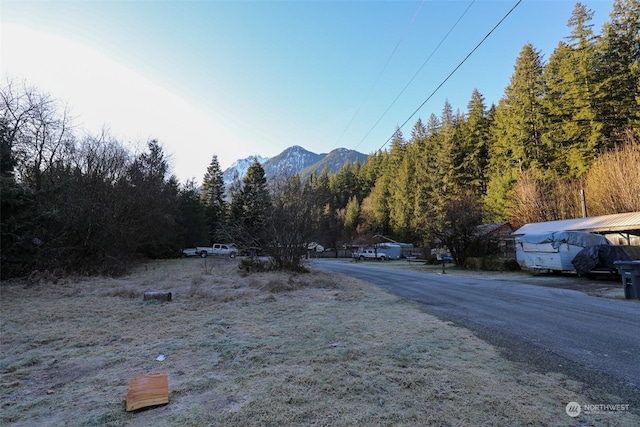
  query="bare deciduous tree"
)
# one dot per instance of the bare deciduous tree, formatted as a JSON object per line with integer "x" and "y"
{"x": 612, "y": 185}
{"x": 290, "y": 223}
{"x": 462, "y": 215}
{"x": 39, "y": 131}
{"x": 536, "y": 199}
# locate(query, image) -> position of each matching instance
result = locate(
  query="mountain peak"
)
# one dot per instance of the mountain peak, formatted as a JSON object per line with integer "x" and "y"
{"x": 295, "y": 160}
{"x": 241, "y": 166}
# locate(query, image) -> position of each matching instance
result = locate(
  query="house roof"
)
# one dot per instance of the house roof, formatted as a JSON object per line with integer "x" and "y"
{"x": 628, "y": 222}
{"x": 492, "y": 228}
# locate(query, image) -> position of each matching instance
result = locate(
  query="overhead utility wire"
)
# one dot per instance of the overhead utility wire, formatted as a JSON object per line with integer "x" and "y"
{"x": 416, "y": 73}
{"x": 384, "y": 67}
{"x": 454, "y": 70}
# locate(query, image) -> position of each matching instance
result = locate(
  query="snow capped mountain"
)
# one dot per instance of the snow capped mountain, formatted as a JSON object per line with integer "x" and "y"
{"x": 241, "y": 166}
{"x": 290, "y": 162}
{"x": 295, "y": 160}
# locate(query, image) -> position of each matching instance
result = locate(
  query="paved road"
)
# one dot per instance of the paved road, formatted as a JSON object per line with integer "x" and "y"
{"x": 597, "y": 333}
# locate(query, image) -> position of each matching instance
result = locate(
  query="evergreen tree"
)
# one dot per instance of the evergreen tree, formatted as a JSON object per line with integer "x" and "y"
{"x": 557, "y": 112}
{"x": 518, "y": 125}
{"x": 400, "y": 170}
{"x": 324, "y": 224}
{"x": 370, "y": 171}
{"x": 411, "y": 174}
{"x": 433, "y": 173}
{"x": 516, "y": 132}
{"x": 256, "y": 207}
{"x": 234, "y": 217}
{"x": 152, "y": 196}
{"x": 424, "y": 151}
{"x": 379, "y": 206}
{"x": 470, "y": 154}
{"x": 191, "y": 218}
{"x": 397, "y": 151}
{"x": 403, "y": 200}
{"x": 433, "y": 125}
{"x": 352, "y": 216}
{"x": 150, "y": 168}
{"x": 572, "y": 86}
{"x": 213, "y": 199}
{"x": 375, "y": 190}
{"x": 497, "y": 201}
{"x": 345, "y": 184}
{"x": 443, "y": 180}
{"x": 418, "y": 132}
{"x": 16, "y": 208}
{"x": 321, "y": 189}
{"x": 619, "y": 71}
{"x": 7, "y": 161}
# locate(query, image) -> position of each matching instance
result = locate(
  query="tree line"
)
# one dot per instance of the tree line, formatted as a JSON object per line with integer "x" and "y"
{"x": 565, "y": 127}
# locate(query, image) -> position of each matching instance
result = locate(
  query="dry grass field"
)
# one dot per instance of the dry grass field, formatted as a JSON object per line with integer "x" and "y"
{"x": 265, "y": 349}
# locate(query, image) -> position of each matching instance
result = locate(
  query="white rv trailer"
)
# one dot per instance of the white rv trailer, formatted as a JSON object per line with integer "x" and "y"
{"x": 552, "y": 245}
{"x": 555, "y": 250}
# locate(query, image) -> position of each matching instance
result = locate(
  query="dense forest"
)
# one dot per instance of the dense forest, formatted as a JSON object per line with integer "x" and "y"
{"x": 565, "y": 128}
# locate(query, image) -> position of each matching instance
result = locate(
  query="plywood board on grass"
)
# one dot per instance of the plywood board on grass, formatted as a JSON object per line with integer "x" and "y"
{"x": 147, "y": 390}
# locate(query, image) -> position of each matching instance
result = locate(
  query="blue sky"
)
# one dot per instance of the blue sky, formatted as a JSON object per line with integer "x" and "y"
{"x": 239, "y": 78}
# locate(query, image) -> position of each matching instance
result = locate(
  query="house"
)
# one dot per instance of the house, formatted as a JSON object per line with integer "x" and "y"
{"x": 501, "y": 233}
{"x": 552, "y": 245}
{"x": 315, "y": 247}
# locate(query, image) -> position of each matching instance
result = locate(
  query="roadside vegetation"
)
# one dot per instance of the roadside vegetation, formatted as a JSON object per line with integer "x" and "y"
{"x": 272, "y": 348}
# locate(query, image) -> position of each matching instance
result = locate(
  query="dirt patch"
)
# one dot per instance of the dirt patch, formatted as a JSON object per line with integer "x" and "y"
{"x": 259, "y": 349}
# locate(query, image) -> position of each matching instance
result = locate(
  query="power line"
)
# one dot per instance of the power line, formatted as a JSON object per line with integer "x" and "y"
{"x": 416, "y": 73}
{"x": 454, "y": 70}
{"x": 384, "y": 67}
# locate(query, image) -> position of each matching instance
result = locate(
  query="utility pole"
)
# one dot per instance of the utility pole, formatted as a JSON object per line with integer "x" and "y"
{"x": 583, "y": 201}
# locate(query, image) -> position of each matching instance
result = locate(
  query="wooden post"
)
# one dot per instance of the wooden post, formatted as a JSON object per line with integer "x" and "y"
{"x": 162, "y": 296}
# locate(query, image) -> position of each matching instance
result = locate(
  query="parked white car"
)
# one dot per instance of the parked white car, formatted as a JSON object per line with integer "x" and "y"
{"x": 363, "y": 254}
{"x": 225, "y": 249}
{"x": 189, "y": 252}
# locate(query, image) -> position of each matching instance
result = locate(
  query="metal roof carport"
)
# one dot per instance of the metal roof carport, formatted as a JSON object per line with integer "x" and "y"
{"x": 617, "y": 223}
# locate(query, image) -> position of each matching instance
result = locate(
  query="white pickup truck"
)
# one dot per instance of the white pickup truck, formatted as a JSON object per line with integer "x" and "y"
{"x": 226, "y": 249}
{"x": 363, "y": 254}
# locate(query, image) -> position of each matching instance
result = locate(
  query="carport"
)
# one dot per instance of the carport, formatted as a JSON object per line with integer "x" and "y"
{"x": 619, "y": 229}
{"x": 545, "y": 245}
